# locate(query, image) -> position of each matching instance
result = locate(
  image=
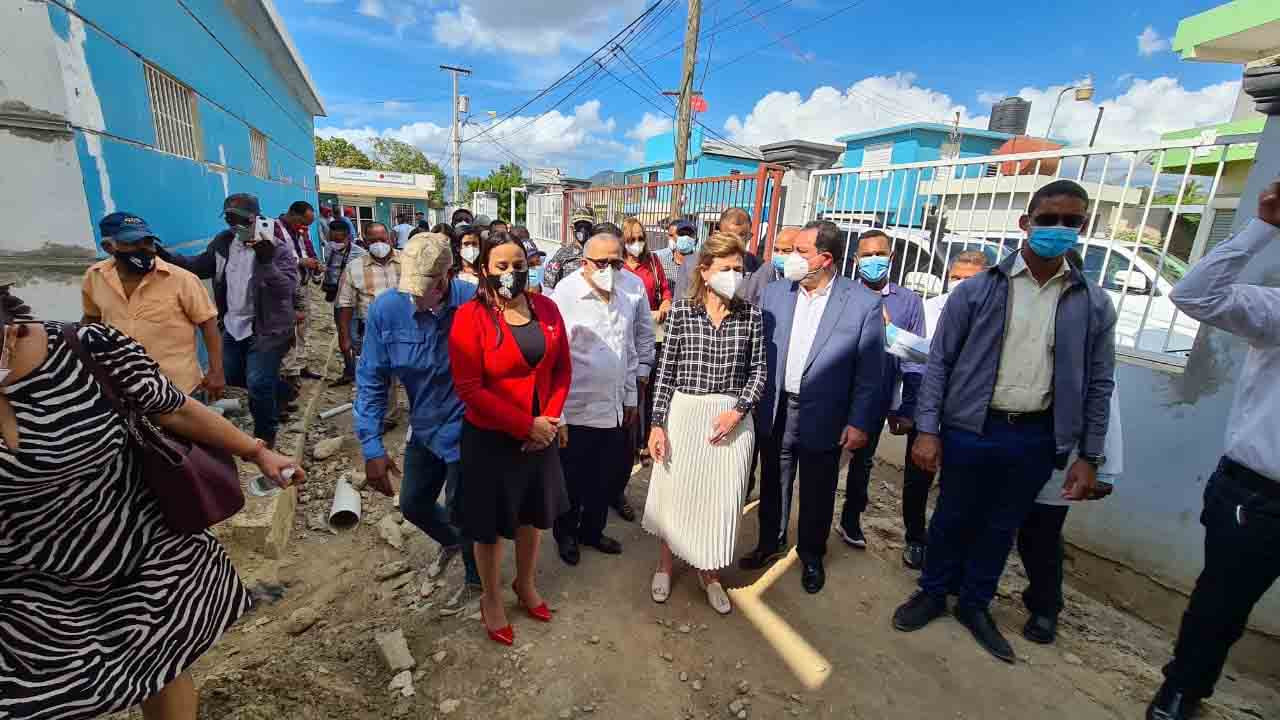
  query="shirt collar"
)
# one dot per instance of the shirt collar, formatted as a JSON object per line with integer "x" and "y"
{"x": 817, "y": 293}
{"x": 1020, "y": 266}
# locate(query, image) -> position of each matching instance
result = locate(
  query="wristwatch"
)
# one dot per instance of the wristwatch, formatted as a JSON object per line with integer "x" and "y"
{"x": 1095, "y": 459}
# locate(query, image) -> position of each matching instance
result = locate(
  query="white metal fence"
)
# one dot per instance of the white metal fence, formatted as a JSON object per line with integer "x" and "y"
{"x": 544, "y": 217}
{"x": 1154, "y": 210}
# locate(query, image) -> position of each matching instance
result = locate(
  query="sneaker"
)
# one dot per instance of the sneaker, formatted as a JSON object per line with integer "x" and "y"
{"x": 442, "y": 560}
{"x": 853, "y": 536}
{"x": 465, "y": 599}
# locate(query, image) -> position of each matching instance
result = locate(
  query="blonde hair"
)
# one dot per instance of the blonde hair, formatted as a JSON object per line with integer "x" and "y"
{"x": 719, "y": 245}
{"x": 632, "y": 223}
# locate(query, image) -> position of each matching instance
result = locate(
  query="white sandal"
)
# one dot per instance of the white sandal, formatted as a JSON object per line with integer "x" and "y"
{"x": 660, "y": 589}
{"x": 716, "y": 596}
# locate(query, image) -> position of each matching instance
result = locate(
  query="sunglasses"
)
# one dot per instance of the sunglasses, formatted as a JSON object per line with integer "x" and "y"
{"x": 603, "y": 263}
{"x": 1055, "y": 220}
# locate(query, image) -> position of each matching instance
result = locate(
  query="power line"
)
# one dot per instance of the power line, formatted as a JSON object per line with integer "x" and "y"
{"x": 819, "y": 21}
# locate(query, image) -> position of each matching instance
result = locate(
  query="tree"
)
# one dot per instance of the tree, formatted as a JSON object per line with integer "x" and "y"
{"x": 400, "y": 156}
{"x": 501, "y": 181}
{"x": 337, "y": 152}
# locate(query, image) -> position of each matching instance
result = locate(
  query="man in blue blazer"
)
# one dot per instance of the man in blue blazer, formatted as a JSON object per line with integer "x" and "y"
{"x": 824, "y": 342}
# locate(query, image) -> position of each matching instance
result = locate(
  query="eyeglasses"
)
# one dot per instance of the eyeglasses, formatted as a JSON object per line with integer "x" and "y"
{"x": 603, "y": 263}
{"x": 1055, "y": 219}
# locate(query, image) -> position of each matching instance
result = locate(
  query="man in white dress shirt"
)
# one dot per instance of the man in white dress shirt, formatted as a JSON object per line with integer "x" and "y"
{"x": 600, "y": 322}
{"x": 1242, "y": 500}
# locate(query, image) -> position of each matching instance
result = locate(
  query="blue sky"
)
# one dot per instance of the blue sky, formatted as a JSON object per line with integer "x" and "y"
{"x": 876, "y": 63}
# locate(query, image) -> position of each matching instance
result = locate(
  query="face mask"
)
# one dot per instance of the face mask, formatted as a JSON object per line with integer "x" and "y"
{"x": 244, "y": 233}
{"x": 337, "y": 246}
{"x": 1052, "y": 242}
{"x": 795, "y": 268}
{"x": 581, "y": 235}
{"x": 603, "y": 280}
{"x": 685, "y": 245}
{"x": 139, "y": 262}
{"x": 635, "y": 248}
{"x": 725, "y": 283}
{"x": 890, "y": 334}
{"x": 779, "y": 262}
{"x": 379, "y": 250}
{"x": 509, "y": 285}
{"x": 535, "y": 276}
{"x": 874, "y": 268}
{"x": 470, "y": 253}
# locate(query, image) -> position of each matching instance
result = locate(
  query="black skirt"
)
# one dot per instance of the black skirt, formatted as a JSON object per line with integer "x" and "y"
{"x": 503, "y": 488}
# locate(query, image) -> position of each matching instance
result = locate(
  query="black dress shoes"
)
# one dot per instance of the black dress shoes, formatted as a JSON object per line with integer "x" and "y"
{"x": 569, "y": 551}
{"x": 1170, "y": 703}
{"x": 1041, "y": 629}
{"x": 984, "y": 630}
{"x": 913, "y": 555}
{"x": 919, "y": 610}
{"x": 814, "y": 576}
{"x": 760, "y": 558}
{"x": 606, "y": 545}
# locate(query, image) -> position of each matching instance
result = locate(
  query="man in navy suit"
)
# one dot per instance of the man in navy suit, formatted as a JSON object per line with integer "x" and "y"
{"x": 824, "y": 342}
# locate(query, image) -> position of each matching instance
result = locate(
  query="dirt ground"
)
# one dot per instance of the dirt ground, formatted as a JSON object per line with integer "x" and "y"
{"x": 612, "y": 653}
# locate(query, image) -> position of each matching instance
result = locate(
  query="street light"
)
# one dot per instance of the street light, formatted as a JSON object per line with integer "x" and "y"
{"x": 1083, "y": 93}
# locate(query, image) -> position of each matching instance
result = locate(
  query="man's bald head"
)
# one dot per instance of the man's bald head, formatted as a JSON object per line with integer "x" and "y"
{"x": 603, "y": 245}
{"x": 786, "y": 240}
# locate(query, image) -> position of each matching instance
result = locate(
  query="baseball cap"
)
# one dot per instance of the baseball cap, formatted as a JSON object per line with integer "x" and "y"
{"x": 424, "y": 255}
{"x": 123, "y": 227}
{"x": 581, "y": 215}
{"x": 481, "y": 220}
{"x": 684, "y": 227}
{"x": 531, "y": 249}
{"x": 242, "y": 204}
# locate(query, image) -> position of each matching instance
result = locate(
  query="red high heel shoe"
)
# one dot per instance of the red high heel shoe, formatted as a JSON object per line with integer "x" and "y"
{"x": 542, "y": 613}
{"x": 502, "y": 636}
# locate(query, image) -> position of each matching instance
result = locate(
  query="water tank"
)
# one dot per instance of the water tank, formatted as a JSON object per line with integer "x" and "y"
{"x": 1010, "y": 116}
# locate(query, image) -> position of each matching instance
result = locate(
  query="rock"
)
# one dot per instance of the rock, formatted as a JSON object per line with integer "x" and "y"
{"x": 686, "y": 629}
{"x": 595, "y": 639}
{"x": 327, "y": 448}
{"x": 684, "y": 677}
{"x": 358, "y": 480}
{"x": 395, "y": 651}
{"x": 390, "y": 531}
{"x": 304, "y": 498}
{"x": 317, "y": 522}
{"x": 588, "y": 708}
{"x": 402, "y": 679}
{"x": 395, "y": 501}
{"x": 744, "y": 687}
{"x": 428, "y": 587}
{"x": 666, "y": 656}
{"x": 301, "y": 621}
{"x": 389, "y": 587}
{"x": 1072, "y": 659}
{"x": 566, "y": 714}
{"x": 697, "y": 684}
{"x": 390, "y": 570}
{"x": 736, "y": 707}
{"x": 398, "y": 517}
{"x": 742, "y": 715}
{"x": 439, "y": 657}
{"x": 449, "y": 706}
{"x": 505, "y": 684}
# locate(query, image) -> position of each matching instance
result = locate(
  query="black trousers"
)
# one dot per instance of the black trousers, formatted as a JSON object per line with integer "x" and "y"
{"x": 784, "y": 457}
{"x": 915, "y": 488}
{"x": 1040, "y": 547}
{"x": 1241, "y": 521}
{"x": 591, "y": 465}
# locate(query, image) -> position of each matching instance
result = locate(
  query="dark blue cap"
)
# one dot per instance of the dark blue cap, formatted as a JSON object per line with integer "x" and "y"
{"x": 242, "y": 204}
{"x": 123, "y": 227}
{"x": 684, "y": 227}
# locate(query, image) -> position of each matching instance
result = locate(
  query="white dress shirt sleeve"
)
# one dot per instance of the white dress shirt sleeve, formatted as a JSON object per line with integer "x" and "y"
{"x": 1209, "y": 292}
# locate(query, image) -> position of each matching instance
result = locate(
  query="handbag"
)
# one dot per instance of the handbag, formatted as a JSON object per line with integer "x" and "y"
{"x": 196, "y": 486}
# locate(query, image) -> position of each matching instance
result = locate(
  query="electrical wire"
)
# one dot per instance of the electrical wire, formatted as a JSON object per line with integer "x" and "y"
{"x": 819, "y": 21}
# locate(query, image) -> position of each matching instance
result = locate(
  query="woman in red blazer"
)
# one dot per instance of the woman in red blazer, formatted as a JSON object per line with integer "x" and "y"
{"x": 510, "y": 360}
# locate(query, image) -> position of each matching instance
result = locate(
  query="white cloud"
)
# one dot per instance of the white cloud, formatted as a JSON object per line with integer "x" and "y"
{"x": 321, "y": 2}
{"x": 870, "y": 103}
{"x": 991, "y": 97}
{"x": 526, "y": 28}
{"x": 650, "y": 126}
{"x": 1138, "y": 114}
{"x": 1151, "y": 42}
{"x": 372, "y": 8}
{"x": 400, "y": 13}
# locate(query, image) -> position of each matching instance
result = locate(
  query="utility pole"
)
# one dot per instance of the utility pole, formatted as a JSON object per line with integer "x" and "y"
{"x": 685, "y": 107}
{"x": 457, "y": 133}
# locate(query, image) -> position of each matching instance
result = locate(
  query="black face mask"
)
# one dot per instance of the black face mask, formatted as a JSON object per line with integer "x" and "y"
{"x": 139, "y": 262}
{"x": 509, "y": 285}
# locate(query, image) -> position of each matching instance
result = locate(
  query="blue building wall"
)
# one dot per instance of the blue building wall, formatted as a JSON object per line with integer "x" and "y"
{"x": 237, "y": 88}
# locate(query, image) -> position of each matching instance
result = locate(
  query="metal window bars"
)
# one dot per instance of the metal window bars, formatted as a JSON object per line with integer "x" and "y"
{"x": 173, "y": 112}
{"x": 258, "y": 147}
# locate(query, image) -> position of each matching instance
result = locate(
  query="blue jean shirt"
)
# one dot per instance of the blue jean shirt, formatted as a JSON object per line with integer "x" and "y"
{"x": 402, "y": 342}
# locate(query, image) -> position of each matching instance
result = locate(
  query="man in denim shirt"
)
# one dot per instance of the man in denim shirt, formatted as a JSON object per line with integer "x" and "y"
{"x": 1020, "y": 374}
{"x": 407, "y": 337}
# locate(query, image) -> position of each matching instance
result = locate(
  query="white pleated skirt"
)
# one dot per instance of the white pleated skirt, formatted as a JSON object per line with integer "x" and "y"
{"x": 696, "y": 495}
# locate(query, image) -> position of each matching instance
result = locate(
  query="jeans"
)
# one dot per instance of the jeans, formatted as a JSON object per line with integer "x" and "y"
{"x": 1040, "y": 547}
{"x": 424, "y": 476}
{"x": 592, "y": 463}
{"x": 257, "y": 371}
{"x": 1241, "y": 562}
{"x": 819, "y": 471}
{"x": 989, "y": 483}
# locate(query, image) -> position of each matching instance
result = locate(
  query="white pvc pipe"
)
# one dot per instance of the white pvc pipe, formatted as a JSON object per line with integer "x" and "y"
{"x": 345, "y": 512}
{"x": 332, "y": 412}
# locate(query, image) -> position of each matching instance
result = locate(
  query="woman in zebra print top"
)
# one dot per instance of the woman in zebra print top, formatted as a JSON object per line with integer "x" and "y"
{"x": 102, "y": 606}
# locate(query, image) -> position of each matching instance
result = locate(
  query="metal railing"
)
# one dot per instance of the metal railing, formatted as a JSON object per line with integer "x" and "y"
{"x": 698, "y": 200}
{"x": 1150, "y": 214}
{"x": 544, "y": 217}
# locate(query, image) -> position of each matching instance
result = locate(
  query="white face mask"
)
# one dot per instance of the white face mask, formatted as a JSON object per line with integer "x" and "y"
{"x": 725, "y": 283}
{"x": 470, "y": 253}
{"x": 635, "y": 248}
{"x": 379, "y": 250}
{"x": 796, "y": 268}
{"x": 603, "y": 280}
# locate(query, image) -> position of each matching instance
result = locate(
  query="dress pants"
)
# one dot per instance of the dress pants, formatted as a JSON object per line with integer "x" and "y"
{"x": 916, "y": 482}
{"x": 1241, "y": 519}
{"x": 989, "y": 483}
{"x": 591, "y": 467}
{"x": 783, "y": 456}
{"x": 915, "y": 488}
{"x": 1040, "y": 547}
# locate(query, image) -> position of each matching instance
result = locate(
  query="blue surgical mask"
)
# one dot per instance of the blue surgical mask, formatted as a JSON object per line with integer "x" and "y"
{"x": 685, "y": 245}
{"x": 535, "y": 276}
{"x": 874, "y": 268}
{"x": 1053, "y": 242}
{"x": 779, "y": 261}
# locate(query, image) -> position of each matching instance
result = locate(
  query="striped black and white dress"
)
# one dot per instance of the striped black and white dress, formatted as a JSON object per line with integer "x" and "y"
{"x": 101, "y": 605}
